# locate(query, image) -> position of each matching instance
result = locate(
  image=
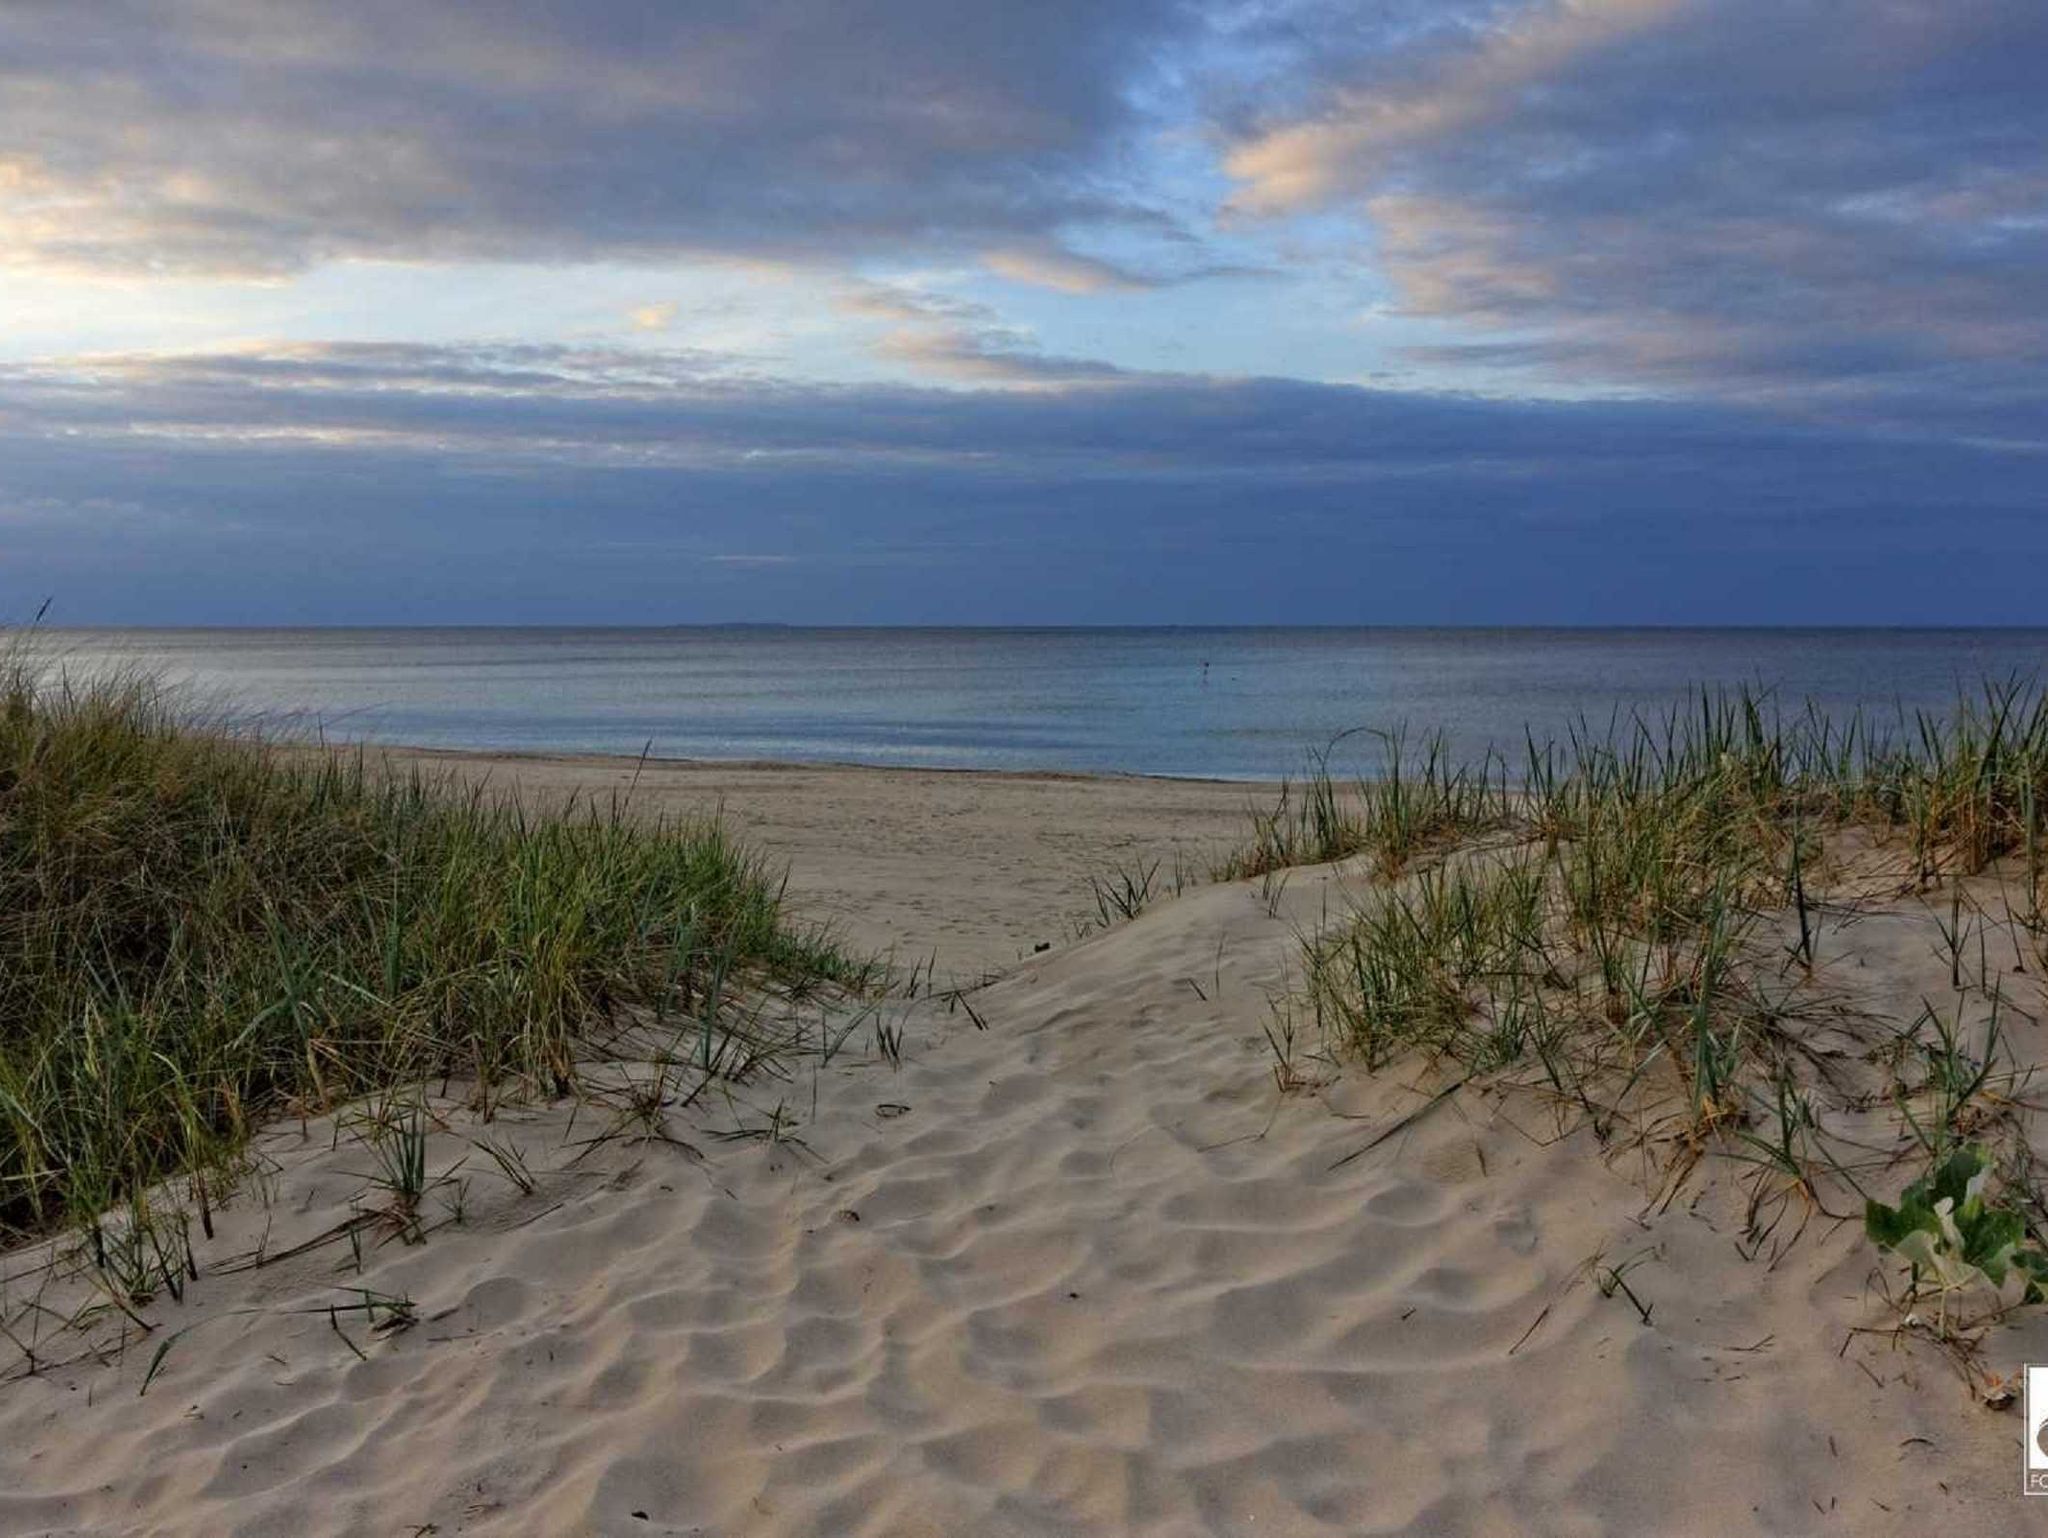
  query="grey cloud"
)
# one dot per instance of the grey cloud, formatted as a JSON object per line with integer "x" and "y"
{"x": 576, "y": 404}
{"x": 262, "y": 135}
{"x": 943, "y": 335}
{"x": 1745, "y": 195}
{"x": 458, "y": 484}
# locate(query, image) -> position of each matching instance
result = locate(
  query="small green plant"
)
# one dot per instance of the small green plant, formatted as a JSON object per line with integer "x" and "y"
{"x": 510, "y": 1161}
{"x": 1281, "y": 1034}
{"x": 1613, "y": 1279}
{"x": 889, "y": 1040}
{"x": 1954, "y": 1081}
{"x": 142, "y": 1252}
{"x": 397, "y": 1140}
{"x": 1124, "y": 893}
{"x": 401, "y": 1150}
{"x": 1948, "y": 1230}
{"x": 385, "y": 1313}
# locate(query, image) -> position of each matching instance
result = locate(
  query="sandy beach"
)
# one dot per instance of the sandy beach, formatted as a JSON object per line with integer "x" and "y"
{"x": 1100, "y": 769}
{"x": 1068, "y": 1257}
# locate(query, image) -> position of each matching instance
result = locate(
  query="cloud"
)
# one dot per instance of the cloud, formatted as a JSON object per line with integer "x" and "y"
{"x": 486, "y": 483}
{"x": 260, "y": 136}
{"x": 1048, "y": 266}
{"x": 957, "y": 339}
{"x": 588, "y": 405}
{"x": 1816, "y": 203}
{"x": 1842, "y": 208}
{"x": 1357, "y": 130}
{"x": 1774, "y": 275}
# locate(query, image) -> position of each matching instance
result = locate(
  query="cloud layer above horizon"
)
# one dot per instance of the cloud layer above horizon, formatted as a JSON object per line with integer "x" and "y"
{"x": 1083, "y": 311}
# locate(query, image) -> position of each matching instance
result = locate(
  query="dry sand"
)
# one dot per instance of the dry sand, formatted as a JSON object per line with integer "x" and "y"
{"x": 1085, "y": 1271}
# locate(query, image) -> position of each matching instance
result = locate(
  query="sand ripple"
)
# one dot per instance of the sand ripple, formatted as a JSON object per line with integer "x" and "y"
{"x": 1098, "y": 1278}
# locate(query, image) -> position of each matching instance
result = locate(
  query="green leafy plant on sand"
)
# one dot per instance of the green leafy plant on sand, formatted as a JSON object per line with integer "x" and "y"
{"x": 1950, "y": 1231}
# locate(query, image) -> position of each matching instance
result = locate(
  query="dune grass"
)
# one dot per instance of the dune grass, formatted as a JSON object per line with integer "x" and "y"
{"x": 1650, "y": 852}
{"x": 198, "y": 933}
{"x": 1736, "y": 771}
{"x": 1417, "y": 801}
{"x": 1629, "y": 923}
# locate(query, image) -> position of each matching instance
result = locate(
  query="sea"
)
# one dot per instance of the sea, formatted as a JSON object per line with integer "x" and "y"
{"x": 1220, "y": 703}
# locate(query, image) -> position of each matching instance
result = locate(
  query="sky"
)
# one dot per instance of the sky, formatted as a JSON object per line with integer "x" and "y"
{"x": 1068, "y": 312}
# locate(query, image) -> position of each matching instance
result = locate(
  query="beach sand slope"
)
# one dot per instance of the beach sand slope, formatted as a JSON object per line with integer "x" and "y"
{"x": 1084, "y": 1271}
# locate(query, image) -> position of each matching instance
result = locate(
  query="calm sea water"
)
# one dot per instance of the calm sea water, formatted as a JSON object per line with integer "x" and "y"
{"x": 1230, "y": 703}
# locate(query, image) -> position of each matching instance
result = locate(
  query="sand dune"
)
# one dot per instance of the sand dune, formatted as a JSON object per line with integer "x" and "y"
{"x": 1084, "y": 1271}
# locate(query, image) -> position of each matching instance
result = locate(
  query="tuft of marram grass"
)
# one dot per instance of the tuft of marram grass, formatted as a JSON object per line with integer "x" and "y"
{"x": 198, "y": 933}
{"x": 1635, "y": 940}
{"x": 1620, "y": 919}
{"x": 1415, "y": 803}
{"x": 1967, "y": 786}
